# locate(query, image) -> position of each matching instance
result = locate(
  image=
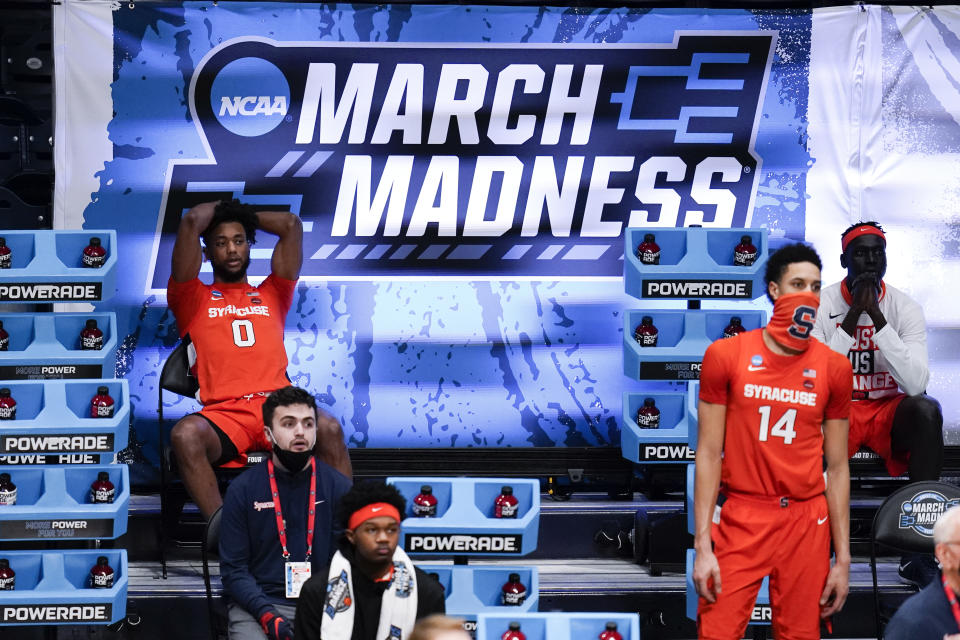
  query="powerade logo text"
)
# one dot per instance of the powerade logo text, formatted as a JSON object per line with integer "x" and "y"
{"x": 921, "y": 512}
{"x": 463, "y": 543}
{"x": 475, "y": 161}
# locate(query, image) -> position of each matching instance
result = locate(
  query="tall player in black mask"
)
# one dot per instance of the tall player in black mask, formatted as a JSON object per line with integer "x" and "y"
{"x": 277, "y": 524}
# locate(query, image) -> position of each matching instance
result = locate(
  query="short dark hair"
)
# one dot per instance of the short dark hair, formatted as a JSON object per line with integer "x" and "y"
{"x": 232, "y": 211}
{"x": 783, "y": 257}
{"x": 369, "y": 492}
{"x": 284, "y": 398}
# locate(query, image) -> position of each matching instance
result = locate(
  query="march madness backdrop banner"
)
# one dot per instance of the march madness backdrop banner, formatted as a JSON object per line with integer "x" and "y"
{"x": 464, "y": 175}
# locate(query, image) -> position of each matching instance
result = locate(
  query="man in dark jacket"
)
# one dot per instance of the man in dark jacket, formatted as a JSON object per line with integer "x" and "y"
{"x": 933, "y": 614}
{"x": 370, "y": 590}
{"x": 277, "y": 525}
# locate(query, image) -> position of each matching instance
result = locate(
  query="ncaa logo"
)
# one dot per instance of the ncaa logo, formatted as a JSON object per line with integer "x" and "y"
{"x": 250, "y": 96}
{"x": 921, "y": 512}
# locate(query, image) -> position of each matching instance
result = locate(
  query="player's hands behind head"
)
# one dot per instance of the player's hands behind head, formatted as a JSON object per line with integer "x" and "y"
{"x": 706, "y": 576}
{"x": 202, "y": 213}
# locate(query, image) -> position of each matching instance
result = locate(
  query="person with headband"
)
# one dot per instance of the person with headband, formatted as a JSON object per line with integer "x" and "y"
{"x": 884, "y": 334}
{"x": 773, "y": 405}
{"x": 277, "y": 521}
{"x": 370, "y": 590}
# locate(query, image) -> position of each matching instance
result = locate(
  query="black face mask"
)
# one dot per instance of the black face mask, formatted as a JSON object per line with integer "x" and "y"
{"x": 292, "y": 461}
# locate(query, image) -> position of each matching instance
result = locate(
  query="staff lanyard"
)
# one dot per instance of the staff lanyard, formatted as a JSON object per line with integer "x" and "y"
{"x": 952, "y": 599}
{"x": 311, "y": 508}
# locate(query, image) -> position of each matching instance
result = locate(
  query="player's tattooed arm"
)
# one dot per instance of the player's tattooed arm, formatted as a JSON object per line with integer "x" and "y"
{"x": 187, "y": 256}
{"x": 838, "y": 507}
{"x": 288, "y": 253}
{"x": 711, "y": 420}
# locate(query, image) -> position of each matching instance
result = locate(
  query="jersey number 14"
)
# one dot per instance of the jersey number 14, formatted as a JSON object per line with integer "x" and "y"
{"x": 782, "y": 428}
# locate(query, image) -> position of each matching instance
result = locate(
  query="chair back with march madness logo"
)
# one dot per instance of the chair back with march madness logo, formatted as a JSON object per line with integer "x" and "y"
{"x": 904, "y": 522}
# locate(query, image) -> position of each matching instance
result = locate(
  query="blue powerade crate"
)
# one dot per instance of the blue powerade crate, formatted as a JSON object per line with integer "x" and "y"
{"x": 558, "y": 626}
{"x": 54, "y": 503}
{"x": 53, "y": 587}
{"x": 47, "y": 267}
{"x": 683, "y": 336}
{"x": 693, "y": 398}
{"x": 465, "y": 524}
{"x": 668, "y": 442}
{"x": 471, "y": 590}
{"x": 761, "y": 610}
{"x": 695, "y": 264}
{"x": 47, "y": 346}
{"x": 53, "y": 417}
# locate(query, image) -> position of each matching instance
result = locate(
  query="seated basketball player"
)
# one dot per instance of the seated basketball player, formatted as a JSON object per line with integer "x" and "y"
{"x": 884, "y": 334}
{"x": 236, "y": 333}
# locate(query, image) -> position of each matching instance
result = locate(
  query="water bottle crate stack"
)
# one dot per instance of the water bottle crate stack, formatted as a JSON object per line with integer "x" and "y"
{"x": 48, "y": 266}
{"x": 559, "y": 626}
{"x": 694, "y": 263}
{"x": 58, "y": 587}
{"x": 683, "y": 336}
{"x": 470, "y": 589}
{"x": 57, "y": 503}
{"x": 42, "y": 346}
{"x": 63, "y": 415}
{"x": 55, "y": 416}
{"x": 465, "y": 525}
{"x": 667, "y": 345}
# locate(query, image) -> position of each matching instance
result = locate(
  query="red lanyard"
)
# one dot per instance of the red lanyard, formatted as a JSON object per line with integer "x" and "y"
{"x": 311, "y": 508}
{"x": 952, "y": 598}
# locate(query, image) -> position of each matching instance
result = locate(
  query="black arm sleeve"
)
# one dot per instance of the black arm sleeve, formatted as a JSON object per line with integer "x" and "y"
{"x": 306, "y": 623}
{"x": 430, "y": 597}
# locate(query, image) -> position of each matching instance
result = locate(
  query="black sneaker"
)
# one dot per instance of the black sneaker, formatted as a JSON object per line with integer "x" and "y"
{"x": 918, "y": 569}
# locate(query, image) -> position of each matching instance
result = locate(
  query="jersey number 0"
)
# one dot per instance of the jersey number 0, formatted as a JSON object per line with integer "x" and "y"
{"x": 783, "y": 428}
{"x": 243, "y": 333}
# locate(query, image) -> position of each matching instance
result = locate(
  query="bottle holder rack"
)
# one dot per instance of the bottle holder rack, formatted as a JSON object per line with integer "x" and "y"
{"x": 760, "y": 616}
{"x": 557, "y": 626}
{"x": 47, "y": 346}
{"x": 53, "y": 588}
{"x": 683, "y": 336}
{"x": 48, "y": 459}
{"x": 695, "y": 264}
{"x": 54, "y": 504}
{"x": 52, "y": 418}
{"x": 668, "y": 443}
{"x": 46, "y": 267}
{"x": 465, "y": 525}
{"x": 477, "y": 589}
{"x": 693, "y": 399}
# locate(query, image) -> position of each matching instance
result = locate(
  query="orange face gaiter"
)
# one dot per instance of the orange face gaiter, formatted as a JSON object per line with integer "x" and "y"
{"x": 792, "y": 320}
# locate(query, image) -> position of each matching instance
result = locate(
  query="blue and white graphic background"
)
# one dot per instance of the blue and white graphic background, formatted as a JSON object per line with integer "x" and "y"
{"x": 491, "y": 363}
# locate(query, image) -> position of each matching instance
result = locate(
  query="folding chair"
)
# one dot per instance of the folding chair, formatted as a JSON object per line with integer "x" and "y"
{"x": 902, "y": 526}
{"x": 176, "y": 378}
